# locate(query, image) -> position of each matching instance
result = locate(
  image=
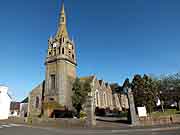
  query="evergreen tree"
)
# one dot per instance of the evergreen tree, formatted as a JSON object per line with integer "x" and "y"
{"x": 138, "y": 90}
{"x": 145, "y": 91}
{"x": 80, "y": 92}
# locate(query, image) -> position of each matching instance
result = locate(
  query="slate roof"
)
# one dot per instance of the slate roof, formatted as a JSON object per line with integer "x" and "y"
{"x": 87, "y": 78}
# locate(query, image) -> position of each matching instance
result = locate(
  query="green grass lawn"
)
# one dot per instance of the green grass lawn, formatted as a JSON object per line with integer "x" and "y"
{"x": 167, "y": 112}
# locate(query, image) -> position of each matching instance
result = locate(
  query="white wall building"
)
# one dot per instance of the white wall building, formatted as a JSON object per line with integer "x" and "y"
{"x": 5, "y": 101}
{"x": 23, "y": 109}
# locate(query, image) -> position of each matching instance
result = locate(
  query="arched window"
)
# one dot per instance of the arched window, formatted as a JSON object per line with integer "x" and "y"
{"x": 104, "y": 97}
{"x": 62, "y": 50}
{"x": 60, "y": 40}
{"x": 37, "y": 102}
{"x": 107, "y": 98}
{"x": 53, "y": 81}
{"x": 97, "y": 98}
{"x": 73, "y": 56}
{"x": 54, "y": 51}
{"x": 62, "y": 19}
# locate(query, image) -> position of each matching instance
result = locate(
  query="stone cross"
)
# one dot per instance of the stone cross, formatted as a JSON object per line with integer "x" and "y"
{"x": 90, "y": 111}
{"x": 132, "y": 110}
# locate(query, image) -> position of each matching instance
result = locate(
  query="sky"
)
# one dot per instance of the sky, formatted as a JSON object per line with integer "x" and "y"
{"x": 114, "y": 39}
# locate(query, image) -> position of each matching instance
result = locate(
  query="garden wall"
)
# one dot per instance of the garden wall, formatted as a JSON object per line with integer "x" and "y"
{"x": 58, "y": 122}
{"x": 160, "y": 120}
{"x": 47, "y": 122}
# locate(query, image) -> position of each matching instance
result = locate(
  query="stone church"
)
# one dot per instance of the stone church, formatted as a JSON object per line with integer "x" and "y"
{"x": 60, "y": 74}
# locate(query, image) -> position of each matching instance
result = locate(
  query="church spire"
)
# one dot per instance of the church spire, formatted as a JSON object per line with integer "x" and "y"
{"x": 62, "y": 29}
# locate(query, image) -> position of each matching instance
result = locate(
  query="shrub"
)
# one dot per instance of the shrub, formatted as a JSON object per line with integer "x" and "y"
{"x": 82, "y": 115}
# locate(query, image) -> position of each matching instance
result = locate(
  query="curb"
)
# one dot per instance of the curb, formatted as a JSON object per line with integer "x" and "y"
{"x": 149, "y": 129}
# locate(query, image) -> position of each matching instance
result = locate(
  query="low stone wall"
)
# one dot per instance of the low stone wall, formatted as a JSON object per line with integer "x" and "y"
{"x": 161, "y": 120}
{"x": 80, "y": 123}
{"x": 17, "y": 120}
{"x": 57, "y": 122}
{"x": 48, "y": 122}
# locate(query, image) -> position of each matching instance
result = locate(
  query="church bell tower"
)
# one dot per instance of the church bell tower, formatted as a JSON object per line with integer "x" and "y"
{"x": 60, "y": 65}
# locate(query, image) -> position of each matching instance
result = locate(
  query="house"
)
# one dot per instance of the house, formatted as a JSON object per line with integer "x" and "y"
{"x": 5, "y": 101}
{"x": 23, "y": 108}
{"x": 14, "y": 108}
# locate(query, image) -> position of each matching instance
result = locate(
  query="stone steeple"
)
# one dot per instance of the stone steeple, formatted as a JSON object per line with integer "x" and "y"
{"x": 62, "y": 29}
{"x": 61, "y": 46}
{"x": 60, "y": 65}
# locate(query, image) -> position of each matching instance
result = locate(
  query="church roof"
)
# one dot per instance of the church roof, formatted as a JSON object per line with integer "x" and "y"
{"x": 15, "y": 105}
{"x": 87, "y": 78}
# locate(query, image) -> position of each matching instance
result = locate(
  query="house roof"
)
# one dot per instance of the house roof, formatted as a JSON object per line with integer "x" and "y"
{"x": 15, "y": 105}
{"x": 25, "y": 100}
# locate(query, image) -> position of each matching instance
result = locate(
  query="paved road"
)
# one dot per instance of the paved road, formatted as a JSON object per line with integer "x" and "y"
{"x": 13, "y": 129}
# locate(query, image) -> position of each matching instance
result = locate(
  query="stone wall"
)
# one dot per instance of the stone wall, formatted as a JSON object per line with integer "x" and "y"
{"x": 16, "y": 120}
{"x": 57, "y": 122}
{"x": 34, "y": 106}
{"x": 47, "y": 122}
{"x": 161, "y": 120}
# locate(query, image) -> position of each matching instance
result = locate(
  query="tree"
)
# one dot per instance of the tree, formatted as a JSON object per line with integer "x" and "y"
{"x": 80, "y": 92}
{"x": 116, "y": 88}
{"x": 145, "y": 91}
{"x": 150, "y": 90}
{"x": 170, "y": 87}
{"x": 175, "y": 88}
{"x": 138, "y": 90}
{"x": 163, "y": 87}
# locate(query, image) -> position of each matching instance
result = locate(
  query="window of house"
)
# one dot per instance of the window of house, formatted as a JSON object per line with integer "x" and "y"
{"x": 37, "y": 102}
{"x": 53, "y": 81}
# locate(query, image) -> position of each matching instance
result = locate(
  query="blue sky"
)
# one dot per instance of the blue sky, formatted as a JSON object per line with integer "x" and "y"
{"x": 115, "y": 39}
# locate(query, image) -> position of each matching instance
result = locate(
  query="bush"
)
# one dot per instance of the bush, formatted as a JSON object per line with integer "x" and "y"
{"x": 82, "y": 115}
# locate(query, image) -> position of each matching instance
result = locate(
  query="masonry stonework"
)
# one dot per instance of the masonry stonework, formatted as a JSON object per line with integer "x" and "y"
{"x": 60, "y": 74}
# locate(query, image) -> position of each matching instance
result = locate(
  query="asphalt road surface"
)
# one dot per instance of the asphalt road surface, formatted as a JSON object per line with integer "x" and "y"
{"x": 14, "y": 129}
